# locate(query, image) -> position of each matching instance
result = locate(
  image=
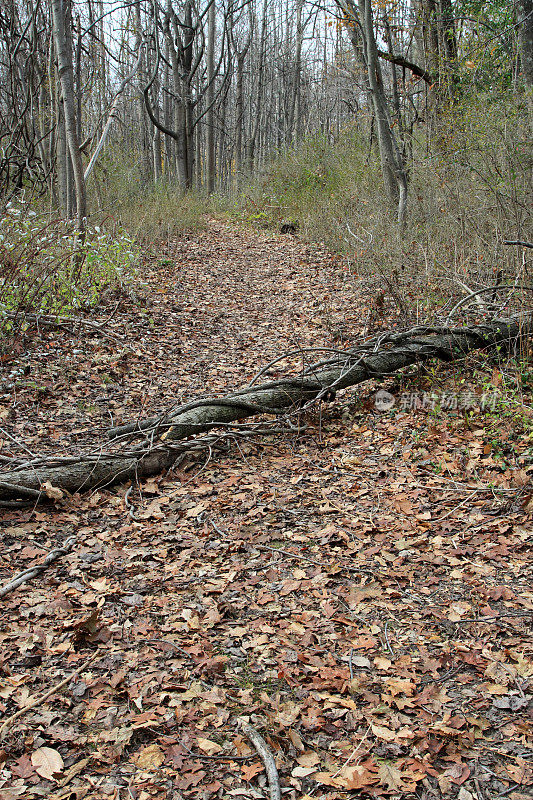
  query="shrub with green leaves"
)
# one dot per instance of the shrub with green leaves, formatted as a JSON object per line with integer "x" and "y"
{"x": 46, "y": 269}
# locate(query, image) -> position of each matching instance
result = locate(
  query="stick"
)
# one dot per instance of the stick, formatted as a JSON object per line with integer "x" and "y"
{"x": 266, "y": 757}
{"x": 30, "y": 573}
{"x": 37, "y": 701}
{"x": 518, "y": 242}
{"x": 298, "y": 556}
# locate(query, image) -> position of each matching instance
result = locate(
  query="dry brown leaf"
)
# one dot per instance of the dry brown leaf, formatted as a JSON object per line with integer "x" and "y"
{"x": 209, "y": 747}
{"x": 47, "y": 762}
{"x": 52, "y": 491}
{"x": 151, "y": 757}
{"x": 302, "y": 772}
{"x": 383, "y": 733}
{"x": 308, "y": 759}
{"x": 391, "y": 777}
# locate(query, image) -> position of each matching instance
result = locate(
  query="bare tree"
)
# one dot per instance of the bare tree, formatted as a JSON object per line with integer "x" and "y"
{"x": 60, "y": 26}
{"x": 394, "y": 173}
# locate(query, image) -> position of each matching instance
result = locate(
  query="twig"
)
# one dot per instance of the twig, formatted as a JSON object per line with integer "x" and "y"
{"x": 352, "y": 754}
{"x": 129, "y": 506}
{"x": 30, "y": 573}
{"x": 301, "y": 557}
{"x": 472, "y": 295}
{"x": 38, "y": 701}
{"x": 391, "y": 651}
{"x": 454, "y": 509}
{"x": 494, "y": 618}
{"x": 266, "y": 757}
{"x": 176, "y": 647}
{"x": 519, "y": 242}
{"x": 291, "y": 555}
{"x": 63, "y": 322}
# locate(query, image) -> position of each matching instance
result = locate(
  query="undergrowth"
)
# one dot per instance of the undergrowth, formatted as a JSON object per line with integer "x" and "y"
{"x": 161, "y": 213}
{"x": 468, "y": 192}
{"x": 44, "y": 269}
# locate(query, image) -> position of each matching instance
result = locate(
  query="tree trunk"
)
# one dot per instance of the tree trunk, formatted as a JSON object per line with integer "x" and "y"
{"x": 525, "y": 35}
{"x": 165, "y": 432}
{"x": 66, "y": 78}
{"x": 239, "y": 113}
{"x": 392, "y": 166}
{"x": 210, "y": 122}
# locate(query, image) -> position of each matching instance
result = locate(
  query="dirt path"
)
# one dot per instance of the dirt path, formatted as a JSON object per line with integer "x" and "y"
{"x": 361, "y": 593}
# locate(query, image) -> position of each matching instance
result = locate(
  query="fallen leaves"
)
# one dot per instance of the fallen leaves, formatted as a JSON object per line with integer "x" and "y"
{"x": 364, "y": 598}
{"x": 150, "y": 757}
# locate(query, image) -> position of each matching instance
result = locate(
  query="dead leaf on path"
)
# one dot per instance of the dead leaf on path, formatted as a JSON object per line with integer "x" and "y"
{"x": 209, "y": 747}
{"x": 48, "y": 763}
{"x": 296, "y": 739}
{"x": 399, "y": 686}
{"x": 500, "y": 673}
{"x": 361, "y": 661}
{"x": 287, "y": 714}
{"x": 391, "y": 777}
{"x": 308, "y": 759}
{"x": 383, "y": 733}
{"x": 249, "y": 771}
{"x": 23, "y": 768}
{"x": 151, "y": 757}
{"x": 52, "y": 491}
{"x": 356, "y": 777}
{"x": 302, "y": 772}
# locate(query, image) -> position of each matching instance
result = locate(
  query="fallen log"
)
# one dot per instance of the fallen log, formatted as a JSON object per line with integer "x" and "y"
{"x": 164, "y": 435}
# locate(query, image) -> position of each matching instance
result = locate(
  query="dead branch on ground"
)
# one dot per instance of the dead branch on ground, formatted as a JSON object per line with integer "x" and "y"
{"x": 28, "y": 574}
{"x": 166, "y": 437}
{"x": 266, "y": 757}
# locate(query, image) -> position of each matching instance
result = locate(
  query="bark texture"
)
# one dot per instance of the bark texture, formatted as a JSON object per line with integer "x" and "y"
{"x": 164, "y": 434}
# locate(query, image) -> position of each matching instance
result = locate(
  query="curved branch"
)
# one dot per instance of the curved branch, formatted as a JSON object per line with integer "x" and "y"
{"x": 165, "y": 434}
{"x": 400, "y": 61}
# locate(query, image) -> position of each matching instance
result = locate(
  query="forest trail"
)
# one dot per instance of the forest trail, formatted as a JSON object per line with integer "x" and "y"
{"x": 213, "y": 308}
{"x": 361, "y": 593}
{"x": 241, "y": 297}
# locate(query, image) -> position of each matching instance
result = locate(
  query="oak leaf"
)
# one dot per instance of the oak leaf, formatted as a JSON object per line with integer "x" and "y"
{"x": 249, "y": 771}
{"x": 208, "y": 746}
{"x": 391, "y": 777}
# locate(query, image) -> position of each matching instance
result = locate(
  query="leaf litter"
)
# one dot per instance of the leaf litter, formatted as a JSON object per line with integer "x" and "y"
{"x": 361, "y": 593}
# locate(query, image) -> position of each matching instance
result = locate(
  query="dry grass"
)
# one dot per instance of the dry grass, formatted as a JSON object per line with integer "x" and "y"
{"x": 468, "y": 194}
{"x": 161, "y": 213}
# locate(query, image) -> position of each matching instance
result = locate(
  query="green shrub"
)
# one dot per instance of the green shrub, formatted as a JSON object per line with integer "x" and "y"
{"x": 44, "y": 269}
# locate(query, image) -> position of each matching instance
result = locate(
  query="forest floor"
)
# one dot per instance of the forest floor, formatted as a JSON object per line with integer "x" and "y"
{"x": 361, "y": 593}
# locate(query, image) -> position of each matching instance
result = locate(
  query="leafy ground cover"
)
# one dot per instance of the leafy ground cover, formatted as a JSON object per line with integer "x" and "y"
{"x": 361, "y": 591}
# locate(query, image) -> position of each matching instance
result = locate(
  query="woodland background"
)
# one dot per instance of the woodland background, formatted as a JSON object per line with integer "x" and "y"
{"x": 199, "y": 195}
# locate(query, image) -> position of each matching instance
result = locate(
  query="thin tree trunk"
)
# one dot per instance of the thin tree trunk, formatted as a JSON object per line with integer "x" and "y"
{"x": 66, "y": 78}
{"x": 525, "y": 38}
{"x": 210, "y": 122}
{"x": 239, "y": 112}
{"x": 392, "y": 166}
